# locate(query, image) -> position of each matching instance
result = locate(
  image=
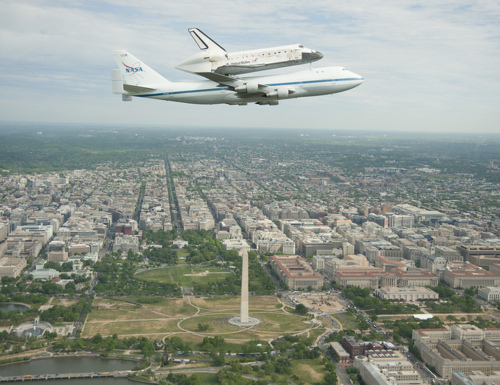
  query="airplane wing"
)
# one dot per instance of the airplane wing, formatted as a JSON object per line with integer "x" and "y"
{"x": 236, "y": 84}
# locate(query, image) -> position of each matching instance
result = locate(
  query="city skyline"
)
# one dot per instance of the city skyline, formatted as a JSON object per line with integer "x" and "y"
{"x": 428, "y": 67}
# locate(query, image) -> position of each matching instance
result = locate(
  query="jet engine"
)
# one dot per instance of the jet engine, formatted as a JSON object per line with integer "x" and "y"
{"x": 248, "y": 88}
{"x": 280, "y": 93}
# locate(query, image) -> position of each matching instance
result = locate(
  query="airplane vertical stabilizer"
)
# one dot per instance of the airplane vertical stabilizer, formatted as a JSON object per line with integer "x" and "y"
{"x": 135, "y": 72}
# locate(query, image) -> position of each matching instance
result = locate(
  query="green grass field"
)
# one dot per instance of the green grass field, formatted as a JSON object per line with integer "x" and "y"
{"x": 270, "y": 323}
{"x": 347, "y": 320}
{"x": 309, "y": 371}
{"x": 159, "y": 317}
{"x": 183, "y": 276}
{"x": 132, "y": 309}
{"x": 305, "y": 372}
{"x": 231, "y": 302}
{"x": 182, "y": 253}
{"x": 148, "y": 328}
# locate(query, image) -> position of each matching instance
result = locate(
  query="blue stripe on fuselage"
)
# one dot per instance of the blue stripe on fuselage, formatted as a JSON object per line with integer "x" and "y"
{"x": 226, "y": 88}
{"x": 313, "y": 81}
{"x": 184, "y": 92}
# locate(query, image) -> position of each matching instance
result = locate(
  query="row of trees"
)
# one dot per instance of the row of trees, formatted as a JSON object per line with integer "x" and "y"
{"x": 161, "y": 237}
{"x": 464, "y": 303}
{"x": 361, "y": 298}
{"x": 163, "y": 255}
{"x": 116, "y": 277}
{"x": 403, "y": 328}
{"x": 67, "y": 313}
{"x": 204, "y": 248}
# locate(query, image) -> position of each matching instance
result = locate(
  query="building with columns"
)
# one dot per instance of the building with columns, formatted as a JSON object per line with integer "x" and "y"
{"x": 407, "y": 294}
{"x": 464, "y": 348}
{"x": 470, "y": 276}
{"x": 294, "y": 272}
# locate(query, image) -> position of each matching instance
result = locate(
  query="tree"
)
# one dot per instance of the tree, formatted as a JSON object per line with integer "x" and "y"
{"x": 203, "y": 327}
{"x": 283, "y": 366}
{"x": 147, "y": 347}
{"x": 219, "y": 360}
{"x": 70, "y": 287}
{"x": 268, "y": 368}
{"x": 301, "y": 309}
{"x": 363, "y": 325}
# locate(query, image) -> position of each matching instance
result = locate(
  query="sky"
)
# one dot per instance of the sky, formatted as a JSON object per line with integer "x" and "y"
{"x": 430, "y": 65}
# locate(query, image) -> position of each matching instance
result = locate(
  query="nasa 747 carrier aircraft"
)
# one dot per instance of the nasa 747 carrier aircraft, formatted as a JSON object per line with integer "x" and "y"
{"x": 135, "y": 78}
{"x": 214, "y": 58}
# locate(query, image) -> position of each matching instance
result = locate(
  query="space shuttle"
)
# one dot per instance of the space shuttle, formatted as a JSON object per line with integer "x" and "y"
{"x": 215, "y": 59}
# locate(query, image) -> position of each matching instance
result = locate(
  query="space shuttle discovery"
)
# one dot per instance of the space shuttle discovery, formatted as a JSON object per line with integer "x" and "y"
{"x": 214, "y": 59}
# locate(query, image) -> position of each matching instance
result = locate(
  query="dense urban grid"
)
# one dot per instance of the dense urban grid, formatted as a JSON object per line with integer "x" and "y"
{"x": 386, "y": 246}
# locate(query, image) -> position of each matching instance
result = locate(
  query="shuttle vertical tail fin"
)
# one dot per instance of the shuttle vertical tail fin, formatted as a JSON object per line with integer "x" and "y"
{"x": 204, "y": 42}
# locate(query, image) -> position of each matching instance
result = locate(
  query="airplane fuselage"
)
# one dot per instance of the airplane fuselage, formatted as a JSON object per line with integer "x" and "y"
{"x": 313, "y": 82}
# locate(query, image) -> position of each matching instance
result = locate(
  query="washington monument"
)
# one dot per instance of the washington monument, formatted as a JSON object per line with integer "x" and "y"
{"x": 244, "y": 319}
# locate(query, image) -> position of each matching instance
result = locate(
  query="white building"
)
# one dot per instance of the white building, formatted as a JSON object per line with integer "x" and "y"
{"x": 489, "y": 293}
{"x": 11, "y": 267}
{"x": 126, "y": 243}
{"x": 408, "y": 294}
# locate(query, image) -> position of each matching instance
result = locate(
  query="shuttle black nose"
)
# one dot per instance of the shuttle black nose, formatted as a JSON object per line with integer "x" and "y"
{"x": 312, "y": 56}
{"x": 318, "y": 54}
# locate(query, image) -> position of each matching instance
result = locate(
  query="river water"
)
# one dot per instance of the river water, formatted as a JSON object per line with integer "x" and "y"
{"x": 80, "y": 381}
{"x": 70, "y": 365}
{"x": 65, "y": 365}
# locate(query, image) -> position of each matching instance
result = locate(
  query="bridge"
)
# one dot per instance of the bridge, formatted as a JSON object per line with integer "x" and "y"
{"x": 63, "y": 376}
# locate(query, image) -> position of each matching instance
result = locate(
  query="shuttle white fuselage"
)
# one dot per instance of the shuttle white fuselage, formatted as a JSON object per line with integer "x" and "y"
{"x": 213, "y": 58}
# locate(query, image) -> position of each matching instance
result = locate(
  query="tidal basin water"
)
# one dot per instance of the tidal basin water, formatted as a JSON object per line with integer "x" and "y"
{"x": 70, "y": 365}
{"x": 6, "y": 307}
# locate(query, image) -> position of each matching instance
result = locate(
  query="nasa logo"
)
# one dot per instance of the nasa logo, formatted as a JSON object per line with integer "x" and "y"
{"x": 130, "y": 69}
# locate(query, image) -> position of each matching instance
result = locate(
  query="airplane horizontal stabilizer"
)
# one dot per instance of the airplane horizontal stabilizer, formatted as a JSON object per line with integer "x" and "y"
{"x": 137, "y": 89}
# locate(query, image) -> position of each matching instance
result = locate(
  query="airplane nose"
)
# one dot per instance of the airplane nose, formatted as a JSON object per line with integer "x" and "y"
{"x": 356, "y": 79}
